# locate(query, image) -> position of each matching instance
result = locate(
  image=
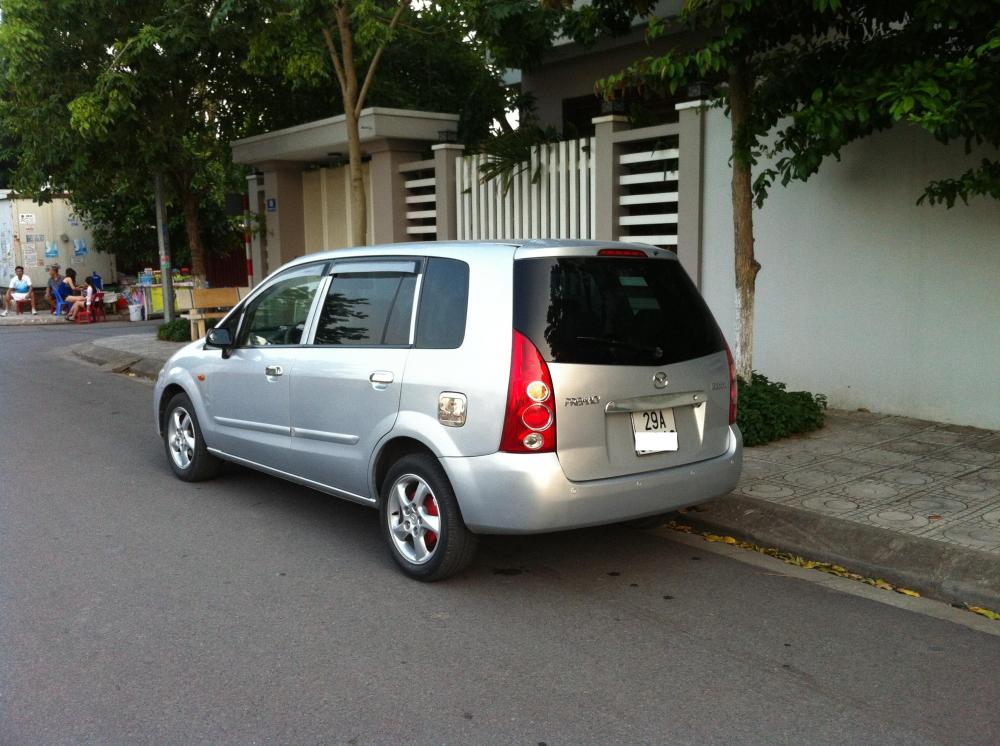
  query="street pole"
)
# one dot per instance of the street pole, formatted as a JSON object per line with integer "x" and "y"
{"x": 248, "y": 239}
{"x": 166, "y": 271}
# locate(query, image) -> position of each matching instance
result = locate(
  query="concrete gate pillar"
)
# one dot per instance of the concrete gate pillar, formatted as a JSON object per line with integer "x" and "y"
{"x": 285, "y": 238}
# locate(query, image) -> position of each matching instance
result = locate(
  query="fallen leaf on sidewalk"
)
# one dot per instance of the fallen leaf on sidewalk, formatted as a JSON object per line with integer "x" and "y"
{"x": 908, "y": 592}
{"x": 934, "y": 517}
{"x": 984, "y": 612}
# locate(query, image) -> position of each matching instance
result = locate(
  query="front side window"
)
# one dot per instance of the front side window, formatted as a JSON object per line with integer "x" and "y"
{"x": 278, "y": 315}
{"x": 367, "y": 308}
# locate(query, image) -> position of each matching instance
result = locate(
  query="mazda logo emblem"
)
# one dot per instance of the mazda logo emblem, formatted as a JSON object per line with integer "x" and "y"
{"x": 660, "y": 380}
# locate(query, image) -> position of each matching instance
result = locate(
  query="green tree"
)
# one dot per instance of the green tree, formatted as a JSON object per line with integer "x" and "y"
{"x": 104, "y": 94}
{"x": 800, "y": 79}
{"x": 378, "y": 52}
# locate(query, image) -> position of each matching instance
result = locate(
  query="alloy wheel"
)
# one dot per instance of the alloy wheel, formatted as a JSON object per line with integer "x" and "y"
{"x": 181, "y": 437}
{"x": 414, "y": 519}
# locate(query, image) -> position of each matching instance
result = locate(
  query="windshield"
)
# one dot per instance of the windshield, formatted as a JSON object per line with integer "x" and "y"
{"x": 612, "y": 311}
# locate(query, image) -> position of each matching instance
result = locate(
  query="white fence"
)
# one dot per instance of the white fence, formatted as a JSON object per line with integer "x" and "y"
{"x": 550, "y": 196}
{"x": 421, "y": 200}
{"x": 648, "y": 172}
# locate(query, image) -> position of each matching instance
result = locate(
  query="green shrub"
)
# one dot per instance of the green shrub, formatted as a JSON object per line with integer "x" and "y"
{"x": 766, "y": 411}
{"x": 178, "y": 330}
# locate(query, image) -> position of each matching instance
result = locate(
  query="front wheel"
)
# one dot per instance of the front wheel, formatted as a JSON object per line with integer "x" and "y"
{"x": 187, "y": 453}
{"x": 421, "y": 522}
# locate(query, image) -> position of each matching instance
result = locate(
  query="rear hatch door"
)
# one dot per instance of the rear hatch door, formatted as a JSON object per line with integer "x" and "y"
{"x": 638, "y": 364}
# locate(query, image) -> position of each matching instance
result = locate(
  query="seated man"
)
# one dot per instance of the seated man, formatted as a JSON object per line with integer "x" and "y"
{"x": 52, "y": 288}
{"x": 19, "y": 290}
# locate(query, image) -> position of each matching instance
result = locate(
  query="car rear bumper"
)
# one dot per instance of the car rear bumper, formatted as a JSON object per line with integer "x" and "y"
{"x": 508, "y": 493}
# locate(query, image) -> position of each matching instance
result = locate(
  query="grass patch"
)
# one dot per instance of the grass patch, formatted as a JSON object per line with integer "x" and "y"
{"x": 767, "y": 411}
{"x": 178, "y": 330}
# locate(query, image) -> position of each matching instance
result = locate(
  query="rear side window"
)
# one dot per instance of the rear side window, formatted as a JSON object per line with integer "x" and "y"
{"x": 444, "y": 305}
{"x": 612, "y": 311}
{"x": 367, "y": 308}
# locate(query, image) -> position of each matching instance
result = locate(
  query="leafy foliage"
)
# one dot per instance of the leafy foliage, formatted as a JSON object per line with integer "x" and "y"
{"x": 766, "y": 411}
{"x": 827, "y": 72}
{"x": 178, "y": 330}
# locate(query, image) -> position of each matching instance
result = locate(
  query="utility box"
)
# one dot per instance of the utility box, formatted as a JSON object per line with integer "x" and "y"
{"x": 35, "y": 236}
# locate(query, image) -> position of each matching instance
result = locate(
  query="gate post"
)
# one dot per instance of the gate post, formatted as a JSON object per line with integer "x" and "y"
{"x": 446, "y": 197}
{"x": 605, "y": 165}
{"x": 690, "y": 168}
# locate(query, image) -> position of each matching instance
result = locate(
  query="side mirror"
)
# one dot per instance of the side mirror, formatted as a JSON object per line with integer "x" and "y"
{"x": 221, "y": 338}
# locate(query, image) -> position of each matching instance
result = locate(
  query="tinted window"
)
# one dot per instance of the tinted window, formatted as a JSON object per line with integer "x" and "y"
{"x": 611, "y": 311}
{"x": 444, "y": 304}
{"x": 367, "y": 308}
{"x": 278, "y": 315}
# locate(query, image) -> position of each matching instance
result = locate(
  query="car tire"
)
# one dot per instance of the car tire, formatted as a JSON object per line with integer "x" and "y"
{"x": 184, "y": 443}
{"x": 421, "y": 522}
{"x": 650, "y": 521}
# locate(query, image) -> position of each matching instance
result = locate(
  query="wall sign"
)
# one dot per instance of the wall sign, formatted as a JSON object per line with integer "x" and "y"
{"x": 272, "y": 204}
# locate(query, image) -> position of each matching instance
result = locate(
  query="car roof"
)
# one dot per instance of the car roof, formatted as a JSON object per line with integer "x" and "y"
{"x": 463, "y": 249}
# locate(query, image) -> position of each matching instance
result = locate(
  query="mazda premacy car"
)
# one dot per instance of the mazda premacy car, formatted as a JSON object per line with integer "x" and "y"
{"x": 466, "y": 388}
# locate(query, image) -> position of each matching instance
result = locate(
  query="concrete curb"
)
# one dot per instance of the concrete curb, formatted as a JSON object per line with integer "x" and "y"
{"x": 117, "y": 360}
{"x": 941, "y": 571}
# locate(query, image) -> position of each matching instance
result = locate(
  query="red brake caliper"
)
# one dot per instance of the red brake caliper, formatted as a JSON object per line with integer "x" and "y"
{"x": 430, "y": 505}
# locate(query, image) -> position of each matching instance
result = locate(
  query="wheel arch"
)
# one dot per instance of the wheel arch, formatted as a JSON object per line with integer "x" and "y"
{"x": 389, "y": 453}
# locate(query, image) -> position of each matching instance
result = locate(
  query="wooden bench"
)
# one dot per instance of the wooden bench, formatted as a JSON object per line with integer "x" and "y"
{"x": 203, "y": 304}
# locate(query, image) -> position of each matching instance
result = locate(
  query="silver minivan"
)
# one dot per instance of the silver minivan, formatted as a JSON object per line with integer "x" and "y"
{"x": 467, "y": 388}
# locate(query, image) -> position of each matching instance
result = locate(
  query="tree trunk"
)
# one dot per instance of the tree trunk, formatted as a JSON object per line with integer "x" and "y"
{"x": 747, "y": 267}
{"x": 189, "y": 201}
{"x": 359, "y": 199}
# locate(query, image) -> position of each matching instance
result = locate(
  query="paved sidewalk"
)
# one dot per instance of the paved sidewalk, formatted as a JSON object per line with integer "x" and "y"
{"x": 44, "y": 317}
{"x": 140, "y": 353}
{"x": 911, "y": 501}
{"x": 926, "y": 479}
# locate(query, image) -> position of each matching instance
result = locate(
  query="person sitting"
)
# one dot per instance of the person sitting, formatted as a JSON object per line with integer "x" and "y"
{"x": 52, "y": 287}
{"x": 81, "y": 301}
{"x": 19, "y": 290}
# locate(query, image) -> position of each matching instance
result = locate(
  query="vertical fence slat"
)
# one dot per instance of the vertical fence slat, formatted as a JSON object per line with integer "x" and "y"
{"x": 584, "y": 190}
{"x": 543, "y": 192}
{"x": 563, "y": 201}
{"x": 515, "y": 192}
{"x": 526, "y": 200}
{"x": 574, "y": 192}
{"x": 593, "y": 187}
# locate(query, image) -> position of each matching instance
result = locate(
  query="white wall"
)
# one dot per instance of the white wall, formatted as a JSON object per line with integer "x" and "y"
{"x": 51, "y": 221}
{"x": 863, "y": 295}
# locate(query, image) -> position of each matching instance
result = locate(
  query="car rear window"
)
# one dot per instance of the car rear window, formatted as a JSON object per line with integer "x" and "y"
{"x": 612, "y": 311}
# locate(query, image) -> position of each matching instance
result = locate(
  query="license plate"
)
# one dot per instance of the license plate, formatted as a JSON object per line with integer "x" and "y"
{"x": 654, "y": 431}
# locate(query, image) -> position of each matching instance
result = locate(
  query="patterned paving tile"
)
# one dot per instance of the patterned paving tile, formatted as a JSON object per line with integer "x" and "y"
{"x": 907, "y": 476}
{"x": 773, "y": 491}
{"x": 941, "y": 466}
{"x": 813, "y": 478}
{"x": 913, "y": 447}
{"x": 970, "y": 455}
{"x": 882, "y": 457}
{"x": 849, "y": 467}
{"x": 890, "y": 432}
{"x": 940, "y": 437}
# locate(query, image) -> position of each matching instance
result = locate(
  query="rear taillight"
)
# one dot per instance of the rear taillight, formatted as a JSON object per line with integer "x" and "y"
{"x": 732, "y": 387}
{"x": 529, "y": 424}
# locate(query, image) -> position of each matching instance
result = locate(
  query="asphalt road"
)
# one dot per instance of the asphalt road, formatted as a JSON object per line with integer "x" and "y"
{"x": 135, "y": 608}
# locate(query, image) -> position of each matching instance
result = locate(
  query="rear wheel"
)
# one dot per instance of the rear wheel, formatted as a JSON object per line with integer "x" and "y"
{"x": 187, "y": 453}
{"x": 421, "y": 522}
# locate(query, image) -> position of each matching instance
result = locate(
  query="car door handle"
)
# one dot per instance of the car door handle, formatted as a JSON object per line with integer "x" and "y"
{"x": 381, "y": 376}
{"x": 273, "y": 370}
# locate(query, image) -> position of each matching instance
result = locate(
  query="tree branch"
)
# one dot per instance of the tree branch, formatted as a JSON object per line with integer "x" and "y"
{"x": 337, "y": 65}
{"x": 370, "y": 75}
